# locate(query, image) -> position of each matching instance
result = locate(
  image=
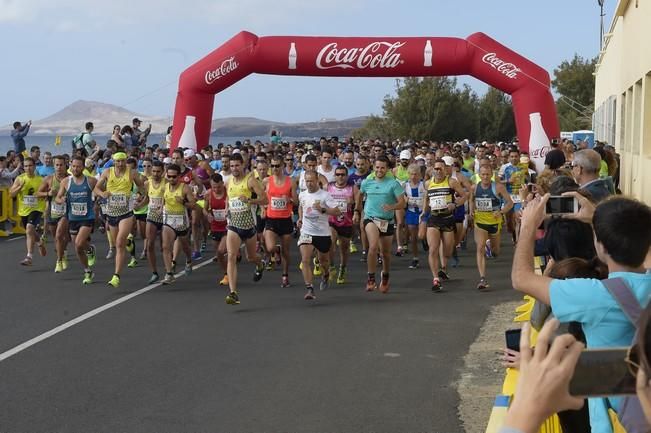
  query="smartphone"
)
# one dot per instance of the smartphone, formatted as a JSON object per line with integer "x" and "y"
{"x": 558, "y": 205}
{"x": 513, "y": 339}
{"x": 531, "y": 187}
{"x": 602, "y": 372}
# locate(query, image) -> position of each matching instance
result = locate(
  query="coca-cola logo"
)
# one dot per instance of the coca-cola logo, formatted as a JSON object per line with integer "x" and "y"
{"x": 227, "y": 66}
{"x": 506, "y": 68}
{"x": 374, "y": 55}
{"x": 540, "y": 152}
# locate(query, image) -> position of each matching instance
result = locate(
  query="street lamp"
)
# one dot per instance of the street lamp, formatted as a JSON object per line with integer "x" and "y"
{"x": 601, "y": 29}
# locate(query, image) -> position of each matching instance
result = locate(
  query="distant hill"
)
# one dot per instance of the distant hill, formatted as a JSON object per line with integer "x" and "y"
{"x": 71, "y": 119}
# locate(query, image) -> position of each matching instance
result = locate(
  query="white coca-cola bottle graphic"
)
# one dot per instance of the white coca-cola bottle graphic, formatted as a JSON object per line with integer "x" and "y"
{"x": 188, "y": 138}
{"x": 538, "y": 142}
{"x": 292, "y": 56}
{"x": 428, "y": 53}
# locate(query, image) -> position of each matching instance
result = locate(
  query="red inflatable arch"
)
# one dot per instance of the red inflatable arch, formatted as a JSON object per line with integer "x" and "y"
{"x": 478, "y": 55}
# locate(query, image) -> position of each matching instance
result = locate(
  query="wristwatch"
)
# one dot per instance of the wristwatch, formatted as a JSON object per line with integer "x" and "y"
{"x": 323, "y": 210}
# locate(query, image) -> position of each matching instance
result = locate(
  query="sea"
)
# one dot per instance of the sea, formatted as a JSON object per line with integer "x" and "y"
{"x": 47, "y": 142}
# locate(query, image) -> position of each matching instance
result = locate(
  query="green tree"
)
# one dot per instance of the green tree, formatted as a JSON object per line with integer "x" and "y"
{"x": 574, "y": 81}
{"x": 496, "y": 121}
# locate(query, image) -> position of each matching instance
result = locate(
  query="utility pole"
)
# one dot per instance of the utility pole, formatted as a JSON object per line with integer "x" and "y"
{"x": 601, "y": 28}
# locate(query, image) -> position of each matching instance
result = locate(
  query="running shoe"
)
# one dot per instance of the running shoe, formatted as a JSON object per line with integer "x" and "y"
{"x": 196, "y": 255}
{"x": 379, "y": 259}
{"x": 325, "y": 282}
{"x": 91, "y": 255}
{"x": 64, "y": 263}
{"x": 269, "y": 266}
{"x": 143, "y": 255}
{"x": 483, "y": 284}
{"x": 42, "y": 250}
{"x": 363, "y": 258}
{"x": 414, "y": 263}
{"x": 284, "y": 282}
{"x": 370, "y": 285}
{"x": 154, "y": 278}
{"x": 132, "y": 263}
{"x": 169, "y": 278}
{"x": 27, "y": 261}
{"x": 232, "y": 298}
{"x": 174, "y": 267}
{"x": 188, "y": 269}
{"x": 131, "y": 245}
{"x": 110, "y": 254}
{"x": 399, "y": 252}
{"x": 224, "y": 281}
{"x": 203, "y": 246}
{"x": 405, "y": 249}
{"x": 88, "y": 277}
{"x": 58, "y": 267}
{"x": 317, "y": 268}
{"x": 443, "y": 274}
{"x": 300, "y": 266}
{"x": 384, "y": 283}
{"x": 341, "y": 276}
{"x": 259, "y": 270}
{"x": 352, "y": 248}
{"x": 114, "y": 281}
{"x": 436, "y": 285}
{"x": 309, "y": 295}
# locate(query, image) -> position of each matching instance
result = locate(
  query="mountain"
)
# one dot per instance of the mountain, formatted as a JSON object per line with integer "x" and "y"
{"x": 71, "y": 119}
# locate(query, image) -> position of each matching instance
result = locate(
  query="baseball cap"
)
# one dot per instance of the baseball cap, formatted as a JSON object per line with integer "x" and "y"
{"x": 449, "y": 161}
{"x": 136, "y": 120}
{"x": 405, "y": 154}
{"x": 420, "y": 158}
{"x": 167, "y": 160}
{"x": 236, "y": 151}
{"x": 188, "y": 153}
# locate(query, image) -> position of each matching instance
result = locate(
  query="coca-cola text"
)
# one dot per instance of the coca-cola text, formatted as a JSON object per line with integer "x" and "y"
{"x": 506, "y": 68}
{"x": 374, "y": 55}
{"x": 540, "y": 152}
{"x": 227, "y": 66}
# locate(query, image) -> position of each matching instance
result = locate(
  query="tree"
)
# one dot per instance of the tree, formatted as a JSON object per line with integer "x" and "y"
{"x": 496, "y": 121}
{"x": 574, "y": 81}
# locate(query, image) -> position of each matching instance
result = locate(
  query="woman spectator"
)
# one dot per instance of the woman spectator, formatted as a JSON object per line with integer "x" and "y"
{"x": 116, "y": 135}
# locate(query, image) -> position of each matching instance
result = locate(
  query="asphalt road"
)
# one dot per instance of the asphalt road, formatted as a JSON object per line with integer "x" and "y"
{"x": 178, "y": 359}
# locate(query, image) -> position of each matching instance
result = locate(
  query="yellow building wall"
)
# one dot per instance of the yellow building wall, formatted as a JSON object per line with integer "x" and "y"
{"x": 623, "y": 83}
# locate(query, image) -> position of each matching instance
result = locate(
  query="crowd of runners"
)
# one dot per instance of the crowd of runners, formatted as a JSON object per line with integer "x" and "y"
{"x": 257, "y": 201}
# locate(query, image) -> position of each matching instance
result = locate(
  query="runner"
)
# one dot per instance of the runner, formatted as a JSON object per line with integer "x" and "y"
{"x": 310, "y": 164}
{"x": 30, "y": 207}
{"x": 115, "y": 185}
{"x": 513, "y": 177}
{"x": 362, "y": 170}
{"x": 344, "y": 196}
{"x": 416, "y": 196}
{"x": 57, "y": 224}
{"x": 315, "y": 207}
{"x": 485, "y": 207}
{"x": 140, "y": 215}
{"x": 325, "y": 168}
{"x": 402, "y": 176}
{"x": 216, "y": 214}
{"x": 76, "y": 194}
{"x": 241, "y": 222}
{"x": 383, "y": 196}
{"x": 155, "y": 193}
{"x": 440, "y": 225}
{"x": 279, "y": 226}
{"x": 453, "y": 165}
{"x": 176, "y": 199}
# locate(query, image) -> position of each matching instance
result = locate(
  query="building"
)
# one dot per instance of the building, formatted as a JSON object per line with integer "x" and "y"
{"x": 623, "y": 95}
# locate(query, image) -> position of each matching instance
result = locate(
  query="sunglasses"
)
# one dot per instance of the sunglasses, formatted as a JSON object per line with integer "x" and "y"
{"x": 274, "y": 165}
{"x": 438, "y": 169}
{"x": 173, "y": 176}
{"x": 341, "y": 174}
{"x": 289, "y": 160}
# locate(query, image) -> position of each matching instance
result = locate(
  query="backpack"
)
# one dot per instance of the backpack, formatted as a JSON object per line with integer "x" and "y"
{"x": 630, "y": 418}
{"x": 78, "y": 141}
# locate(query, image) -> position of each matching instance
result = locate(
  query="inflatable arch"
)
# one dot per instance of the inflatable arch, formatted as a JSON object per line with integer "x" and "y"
{"x": 478, "y": 55}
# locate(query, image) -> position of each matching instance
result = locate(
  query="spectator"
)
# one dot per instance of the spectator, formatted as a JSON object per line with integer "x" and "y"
{"x": 585, "y": 169}
{"x": 47, "y": 167}
{"x": 555, "y": 158}
{"x": 115, "y": 136}
{"x": 35, "y": 154}
{"x": 168, "y": 138}
{"x": 127, "y": 135}
{"x": 140, "y": 137}
{"x": 18, "y": 136}
{"x": 7, "y": 172}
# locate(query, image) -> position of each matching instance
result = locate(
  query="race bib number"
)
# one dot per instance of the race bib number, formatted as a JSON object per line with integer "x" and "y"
{"x": 219, "y": 214}
{"x": 484, "y": 204}
{"x": 30, "y": 200}
{"x": 175, "y": 221}
{"x": 57, "y": 210}
{"x": 438, "y": 203}
{"x": 415, "y": 202}
{"x": 155, "y": 203}
{"x": 342, "y": 205}
{"x": 278, "y": 203}
{"x": 516, "y": 198}
{"x": 120, "y": 200}
{"x": 79, "y": 209}
{"x": 237, "y": 205}
{"x": 382, "y": 225}
{"x": 304, "y": 239}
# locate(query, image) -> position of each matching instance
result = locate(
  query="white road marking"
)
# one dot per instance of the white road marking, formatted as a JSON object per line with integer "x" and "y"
{"x": 29, "y": 343}
{"x": 15, "y": 239}
{"x": 387, "y": 354}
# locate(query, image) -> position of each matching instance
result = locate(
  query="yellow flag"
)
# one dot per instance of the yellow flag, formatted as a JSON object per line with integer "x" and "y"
{"x": 57, "y": 140}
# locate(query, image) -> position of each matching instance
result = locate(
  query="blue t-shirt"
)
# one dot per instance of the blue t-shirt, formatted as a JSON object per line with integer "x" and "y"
{"x": 216, "y": 164}
{"x": 379, "y": 193}
{"x": 605, "y": 325}
{"x": 44, "y": 170}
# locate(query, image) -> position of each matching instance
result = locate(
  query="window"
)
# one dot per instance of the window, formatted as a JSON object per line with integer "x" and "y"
{"x": 637, "y": 118}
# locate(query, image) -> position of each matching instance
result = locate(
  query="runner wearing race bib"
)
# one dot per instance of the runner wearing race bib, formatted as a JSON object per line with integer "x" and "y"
{"x": 315, "y": 207}
{"x": 401, "y": 174}
{"x": 363, "y": 167}
{"x": 215, "y": 212}
{"x": 139, "y": 206}
{"x": 155, "y": 201}
{"x": 416, "y": 221}
{"x": 460, "y": 217}
{"x": 279, "y": 226}
{"x": 513, "y": 178}
{"x": 241, "y": 222}
{"x": 485, "y": 206}
{"x": 177, "y": 197}
{"x": 55, "y": 212}
{"x": 30, "y": 206}
{"x": 115, "y": 185}
{"x": 341, "y": 226}
{"x": 440, "y": 226}
{"x": 76, "y": 193}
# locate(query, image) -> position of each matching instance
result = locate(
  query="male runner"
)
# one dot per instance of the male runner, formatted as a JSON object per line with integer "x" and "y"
{"x": 30, "y": 206}
{"x": 216, "y": 212}
{"x": 402, "y": 176}
{"x": 362, "y": 170}
{"x": 155, "y": 192}
{"x": 344, "y": 196}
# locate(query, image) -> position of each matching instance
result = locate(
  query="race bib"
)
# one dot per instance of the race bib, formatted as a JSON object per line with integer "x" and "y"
{"x": 57, "y": 210}
{"x": 219, "y": 214}
{"x": 438, "y": 203}
{"x": 516, "y": 198}
{"x": 237, "y": 205}
{"x": 120, "y": 200}
{"x": 382, "y": 225}
{"x": 304, "y": 239}
{"x": 415, "y": 202}
{"x": 79, "y": 209}
{"x": 155, "y": 203}
{"x": 342, "y": 205}
{"x": 175, "y": 221}
{"x": 278, "y": 203}
{"x": 484, "y": 204}
{"x": 30, "y": 200}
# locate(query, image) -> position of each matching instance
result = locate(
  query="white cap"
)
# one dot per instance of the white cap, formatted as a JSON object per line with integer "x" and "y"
{"x": 199, "y": 157}
{"x": 449, "y": 161}
{"x": 420, "y": 158}
{"x": 303, "y": 158}
{"x": 188, "y": 153}
{"x": 167, "y": 160}
{"x": 236, "y": 151}
{"x": 405, "y": 154}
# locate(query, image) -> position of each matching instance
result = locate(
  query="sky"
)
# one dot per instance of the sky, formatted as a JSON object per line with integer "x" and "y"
{"x": 131, "y": 52}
